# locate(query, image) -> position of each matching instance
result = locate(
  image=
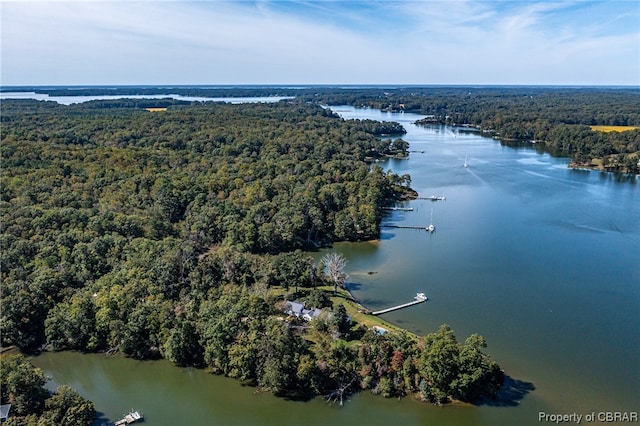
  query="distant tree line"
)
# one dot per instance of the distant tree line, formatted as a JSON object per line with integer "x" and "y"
{"x": 555, "y": 117}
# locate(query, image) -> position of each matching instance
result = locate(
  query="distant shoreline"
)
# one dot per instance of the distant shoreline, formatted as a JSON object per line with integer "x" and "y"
{"x": 111, "y": 87}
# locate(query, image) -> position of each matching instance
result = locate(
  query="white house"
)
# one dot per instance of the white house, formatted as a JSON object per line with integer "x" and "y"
{"x": 309, "y": 314}
{"x": 298, "y": 310}
{"x": 294, "y": 308}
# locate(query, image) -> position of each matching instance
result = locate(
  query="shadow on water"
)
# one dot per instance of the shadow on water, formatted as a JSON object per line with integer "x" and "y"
{"x": 370, "y": 302}
{"x": 351, "y": 286}
{"x": 101, "y": 419}
{"x": 386, "y": 235}
{"x": 512, "y": 392}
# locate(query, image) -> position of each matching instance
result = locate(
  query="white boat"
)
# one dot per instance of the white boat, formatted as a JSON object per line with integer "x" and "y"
{"x": 420, "y": 297}
{"x": 465, "y": 161}
{"x": 431, "y": 228}
{"x": 132, "y": 417}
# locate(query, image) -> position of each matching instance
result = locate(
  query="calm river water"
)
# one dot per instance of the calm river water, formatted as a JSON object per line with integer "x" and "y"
{"x": 543, "y": 261}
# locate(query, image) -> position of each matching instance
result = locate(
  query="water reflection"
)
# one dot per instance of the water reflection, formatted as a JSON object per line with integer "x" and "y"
{"x": 511, "y": 394}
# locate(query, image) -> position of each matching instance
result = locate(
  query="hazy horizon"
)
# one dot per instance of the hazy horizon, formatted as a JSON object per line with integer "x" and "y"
{"x": 310, "y": 85}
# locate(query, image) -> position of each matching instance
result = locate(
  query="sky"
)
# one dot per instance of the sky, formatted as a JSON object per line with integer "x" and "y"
{"x": 454, "y": 42}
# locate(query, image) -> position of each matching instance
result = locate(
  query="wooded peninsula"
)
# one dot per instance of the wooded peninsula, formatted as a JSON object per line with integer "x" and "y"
{"x": 180, "y": 233}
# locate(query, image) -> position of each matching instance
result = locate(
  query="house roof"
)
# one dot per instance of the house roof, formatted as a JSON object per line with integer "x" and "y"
{"x": 312, "y": 313}
{"x": 298, "y": 309}
{"x": 295, "y": 308}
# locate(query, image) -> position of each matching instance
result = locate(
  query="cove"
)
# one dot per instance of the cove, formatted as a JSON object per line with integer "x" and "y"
{"x": 539, "y": 259}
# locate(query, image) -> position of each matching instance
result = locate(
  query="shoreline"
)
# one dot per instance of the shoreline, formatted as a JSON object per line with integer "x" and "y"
{"x": 598, "y": 168}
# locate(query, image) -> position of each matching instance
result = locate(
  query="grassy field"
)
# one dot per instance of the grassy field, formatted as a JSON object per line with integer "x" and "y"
{"x": 613, "y": 128}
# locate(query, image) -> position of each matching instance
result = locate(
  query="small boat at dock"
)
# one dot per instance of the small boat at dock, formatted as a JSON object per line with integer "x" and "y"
{"x": 431, "y": 228}
{"x": 132, "y": 417}
{"x": 419, "y": 298}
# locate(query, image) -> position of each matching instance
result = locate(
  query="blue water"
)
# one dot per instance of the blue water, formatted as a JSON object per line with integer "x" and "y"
{"x": 542, "y": 260}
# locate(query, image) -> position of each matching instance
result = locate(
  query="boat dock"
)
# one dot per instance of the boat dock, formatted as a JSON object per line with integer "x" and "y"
{"x": 420, "y": 298}
{"x": 404, "y": 209}
{"x": 433, "y": 198}
{"x": 132, "y": 417}
{"x": 423, "y": 228}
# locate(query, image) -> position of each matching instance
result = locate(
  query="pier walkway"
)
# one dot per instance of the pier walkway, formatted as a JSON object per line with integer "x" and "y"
{"x": 424, "y": 228}
{"x": 420, "y": 298}
{"x": 433, "y": 198}
{"x": 404, "y": 209}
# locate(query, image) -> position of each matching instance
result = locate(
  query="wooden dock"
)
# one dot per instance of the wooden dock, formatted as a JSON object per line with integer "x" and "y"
{"x": 420, "y": 298}
{"x": 404, "y": 209}
{"x": 424, "y": 228}
{"x": 433, "y": 198}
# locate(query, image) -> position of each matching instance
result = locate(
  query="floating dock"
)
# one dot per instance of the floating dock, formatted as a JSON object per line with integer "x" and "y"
{"x": 420, "y": 298}
{"x": 132, "y": 417}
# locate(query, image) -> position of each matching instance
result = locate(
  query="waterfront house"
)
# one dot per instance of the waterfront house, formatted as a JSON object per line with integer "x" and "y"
{"x": 309, "y": 314}
{"x": 294, "y": 309}
{"x": 298, "y": 310}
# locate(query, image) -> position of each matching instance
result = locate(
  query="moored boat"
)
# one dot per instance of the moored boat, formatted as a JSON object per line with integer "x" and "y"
{"x": 132, "y": 417}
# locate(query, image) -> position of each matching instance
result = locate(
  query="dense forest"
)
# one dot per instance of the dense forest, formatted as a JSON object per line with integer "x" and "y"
{"x": 179, "y": 234}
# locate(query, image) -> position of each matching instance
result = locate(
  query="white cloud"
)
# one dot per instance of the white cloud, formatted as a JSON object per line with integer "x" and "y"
{"x": 165, "y": 42}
